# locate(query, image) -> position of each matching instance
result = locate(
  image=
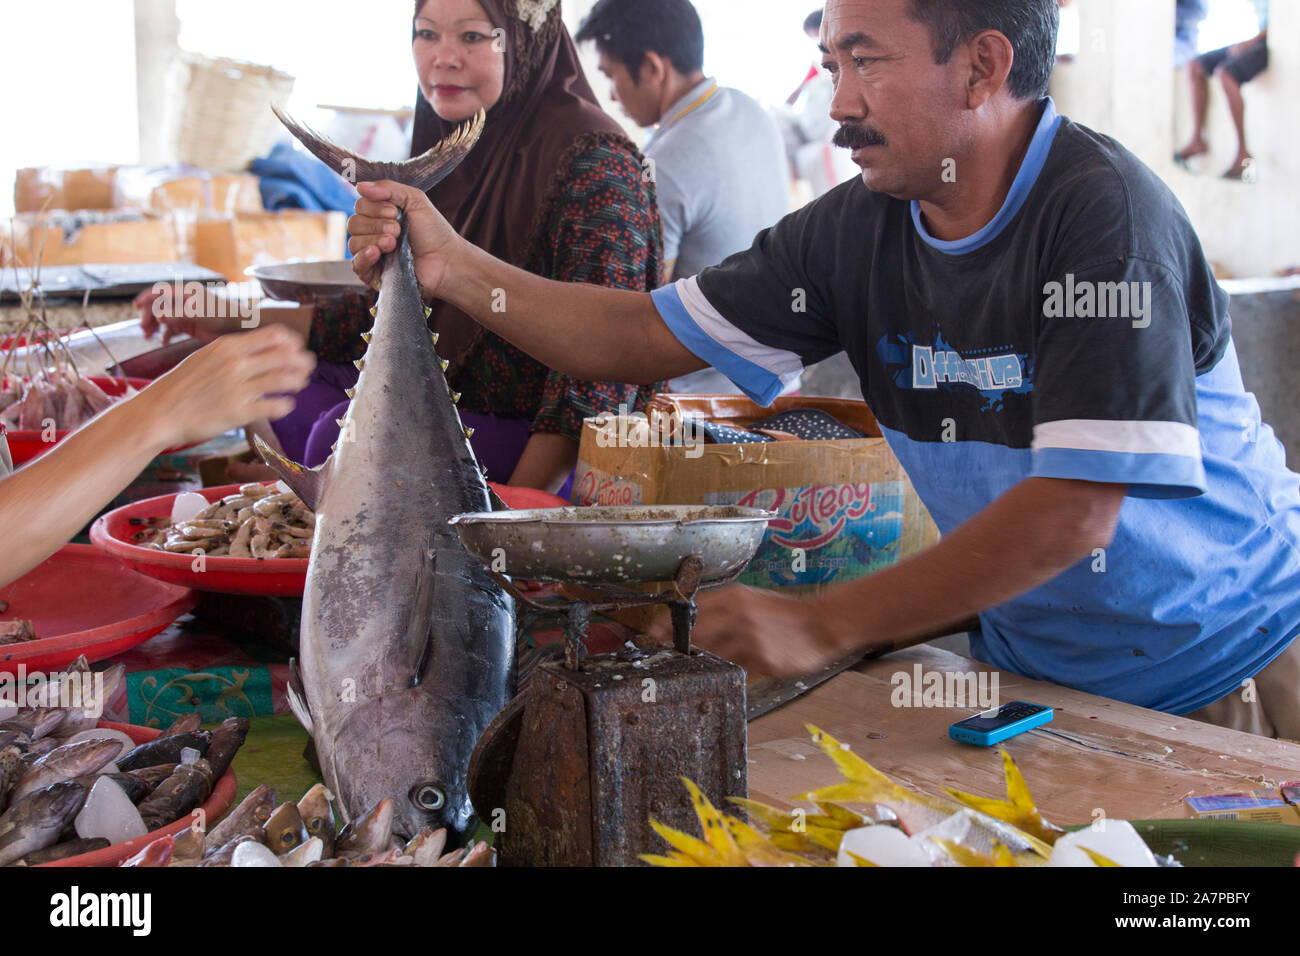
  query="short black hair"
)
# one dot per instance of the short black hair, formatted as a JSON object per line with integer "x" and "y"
{"x": 1030, "y": 25}
{"x": 814, "y": 22}
{"x": 626, "y": 30}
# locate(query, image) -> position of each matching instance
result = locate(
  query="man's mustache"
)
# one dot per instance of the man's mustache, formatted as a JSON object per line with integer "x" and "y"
{"x": 853, "y": 136}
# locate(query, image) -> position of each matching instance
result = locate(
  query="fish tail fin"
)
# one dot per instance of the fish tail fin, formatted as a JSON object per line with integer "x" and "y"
{"x": 962, "y": 855}
{"x": 1000, "y": 809}
{"x": 850, "y": 764}
{"x": 305, "y": 482}
{"x": 1097, "y": 858}
{"x": 712, "y": 822}
{"x": 1017, "y": 790}
{"x": 423, "y": 172}
{"x": 1018, "y": 809}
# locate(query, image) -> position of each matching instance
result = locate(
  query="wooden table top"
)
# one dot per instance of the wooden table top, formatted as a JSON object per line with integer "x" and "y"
{"x": 1096, "y": 756}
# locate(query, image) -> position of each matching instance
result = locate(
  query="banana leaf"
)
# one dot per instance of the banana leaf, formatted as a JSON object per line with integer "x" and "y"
{"x": 1221, "y": 842}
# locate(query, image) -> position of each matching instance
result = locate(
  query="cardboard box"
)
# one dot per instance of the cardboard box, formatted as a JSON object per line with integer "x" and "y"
{"x": 1266, "y": 806}
{"x": 233, "y": 245}
{"x": 144, "y": 240}
{"x": 164, "y": 192}
{"x": 846, "y": 508}
{"x": 46, "y": 187}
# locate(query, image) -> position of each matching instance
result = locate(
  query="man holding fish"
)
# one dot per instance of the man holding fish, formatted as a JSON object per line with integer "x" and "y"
{"x": 1112, "y": 506}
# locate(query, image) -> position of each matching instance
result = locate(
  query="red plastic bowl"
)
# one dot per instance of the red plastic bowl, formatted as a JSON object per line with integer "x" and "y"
{"x": 88, "y": 604}
{"x": 223, "y": 794}
{"x": 27, "y": 444}
{"x": 274, "y": 577}
{"x": 528, "y": 499}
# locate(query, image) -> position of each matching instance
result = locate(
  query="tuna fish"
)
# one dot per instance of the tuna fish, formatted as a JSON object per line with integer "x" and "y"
{"x": 407, "y": 642}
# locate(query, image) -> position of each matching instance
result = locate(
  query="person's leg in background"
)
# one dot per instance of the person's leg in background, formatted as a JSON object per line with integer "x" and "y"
{"x": 1235, "y": 73}
{"x": 1200, "y": 80}
{"x": 1236, "y": 106}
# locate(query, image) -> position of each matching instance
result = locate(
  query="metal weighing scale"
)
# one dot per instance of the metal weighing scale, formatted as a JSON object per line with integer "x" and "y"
{"x": 593, "y": 746}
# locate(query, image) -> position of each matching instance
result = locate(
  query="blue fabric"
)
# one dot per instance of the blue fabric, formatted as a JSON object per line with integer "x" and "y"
{"x": 1147, "y": 475}
{"x": 1039, "y": 148}
{"x": 757, "y": 383}
{"x": 1143, "y": 622}
{"x": 295, "y": 180}
{"x": 968, "y": 351}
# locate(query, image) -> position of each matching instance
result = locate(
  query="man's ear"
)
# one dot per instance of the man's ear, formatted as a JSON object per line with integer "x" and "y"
{"x": 991, "y": 58}
{"x": 654, "y": 68}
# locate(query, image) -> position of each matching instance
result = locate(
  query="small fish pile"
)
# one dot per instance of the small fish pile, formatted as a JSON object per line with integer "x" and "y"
{"x": 259, "y": 833}
{"x": 58, "y": 395}
{"x": 68, "y": 787}
{"x": 895, "y": 827}
{"x": 256, "y": 522}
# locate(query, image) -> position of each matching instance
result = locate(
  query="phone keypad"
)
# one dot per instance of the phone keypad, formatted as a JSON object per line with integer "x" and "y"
{"x": 1018, "y": 709}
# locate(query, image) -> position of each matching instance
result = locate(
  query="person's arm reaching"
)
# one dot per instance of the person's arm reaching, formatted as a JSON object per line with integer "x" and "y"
{"x": 220, "y": 387}
{"x": 581, "y": 330}
{"x": 1024, "y": 539}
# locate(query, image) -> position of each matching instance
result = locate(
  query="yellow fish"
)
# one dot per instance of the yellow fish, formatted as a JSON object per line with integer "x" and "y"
{"x": 1018, "y": 809}
{"x": 727, "y": 841}
{"x": 916, "y": 812}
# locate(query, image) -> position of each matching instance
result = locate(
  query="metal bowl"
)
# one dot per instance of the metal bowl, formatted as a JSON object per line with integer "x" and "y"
{"x": 307, "y": 281}
{"x": 637, "y": 544}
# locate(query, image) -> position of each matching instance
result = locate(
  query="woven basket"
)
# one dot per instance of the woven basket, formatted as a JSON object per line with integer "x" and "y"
{"x": 220, "y": 111}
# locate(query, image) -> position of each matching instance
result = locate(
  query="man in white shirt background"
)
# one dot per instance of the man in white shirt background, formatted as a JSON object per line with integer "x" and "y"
{"x": 718, "y": 158}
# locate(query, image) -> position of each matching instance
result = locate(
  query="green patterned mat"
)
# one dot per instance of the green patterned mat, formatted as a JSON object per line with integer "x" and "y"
{"x": 272, "y": 755}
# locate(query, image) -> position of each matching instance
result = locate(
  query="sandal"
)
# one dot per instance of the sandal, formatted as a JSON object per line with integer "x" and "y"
{"x": 1244, "y": 172}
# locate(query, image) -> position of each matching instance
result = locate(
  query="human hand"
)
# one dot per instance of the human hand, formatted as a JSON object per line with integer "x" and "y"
{"x": 159, "y": 309}
{"x": 374, "y": 231}
{"x": 229, "y": 383}
{"x": 763, "y": 631}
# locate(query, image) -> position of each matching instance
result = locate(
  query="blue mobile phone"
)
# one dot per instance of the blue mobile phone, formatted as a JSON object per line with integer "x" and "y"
{"x": 995, "y": 726}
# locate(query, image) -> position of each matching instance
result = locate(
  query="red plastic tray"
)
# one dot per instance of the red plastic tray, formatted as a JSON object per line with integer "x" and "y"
{"x": 27, "y": 444}
{"x": 222, "y": 796}
{"x": 89, "y": 604}
{"x": 276, "y": 577}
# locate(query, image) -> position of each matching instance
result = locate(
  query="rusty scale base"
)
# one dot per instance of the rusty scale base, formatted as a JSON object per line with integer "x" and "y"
{"x": 594, "y": 746}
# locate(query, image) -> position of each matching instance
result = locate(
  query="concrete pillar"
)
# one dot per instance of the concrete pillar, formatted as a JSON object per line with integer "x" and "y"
{"x": 1123, "y": 84}
{"x": 156, "y": 30}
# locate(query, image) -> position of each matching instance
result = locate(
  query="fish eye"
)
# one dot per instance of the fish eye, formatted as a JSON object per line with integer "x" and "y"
{"x": 428, "y": 797}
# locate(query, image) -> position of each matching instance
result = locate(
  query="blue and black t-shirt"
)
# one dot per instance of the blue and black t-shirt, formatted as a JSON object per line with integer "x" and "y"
{"x": 1080, "y": 335}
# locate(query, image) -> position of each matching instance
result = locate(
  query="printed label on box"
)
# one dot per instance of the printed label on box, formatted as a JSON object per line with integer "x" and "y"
{"x": 823, "y": 533}
{"x": 595, "y": 487}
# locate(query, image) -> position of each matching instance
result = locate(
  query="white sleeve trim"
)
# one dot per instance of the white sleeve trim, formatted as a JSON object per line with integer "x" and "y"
{"x": 1133, "y": 438}
{"x": 787, "y": 366}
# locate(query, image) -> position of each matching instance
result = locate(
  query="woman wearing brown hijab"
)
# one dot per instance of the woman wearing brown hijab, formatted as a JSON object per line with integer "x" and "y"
{"x": 553, "y": 186}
